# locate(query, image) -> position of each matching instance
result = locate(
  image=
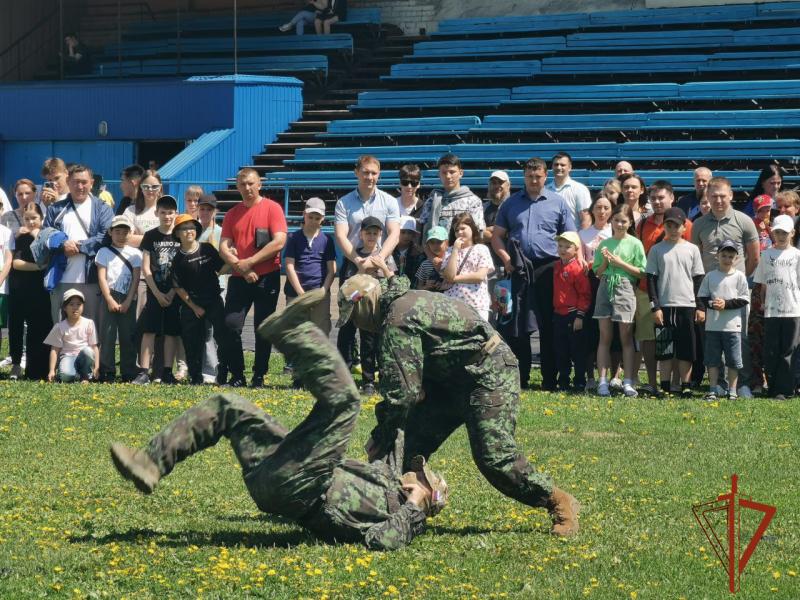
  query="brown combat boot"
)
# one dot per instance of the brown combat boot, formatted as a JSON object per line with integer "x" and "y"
{"x": 136, "y": 466}
{"x": 563, "y": 508}
{"x": 278, "y": 323}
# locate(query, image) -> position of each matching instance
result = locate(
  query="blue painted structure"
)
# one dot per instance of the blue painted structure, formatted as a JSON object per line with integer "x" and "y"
{"x": 228, "y": 119}
{"x": 262, "y": 108}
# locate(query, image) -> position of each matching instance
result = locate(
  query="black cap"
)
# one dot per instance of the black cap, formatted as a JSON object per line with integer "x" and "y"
{"x": 728, "y": 245}
{"x": 372, "y": 222}
{"x": 675, "y": 214}
{"x": 209, "y": 199}
{"x": 167, "y": 202}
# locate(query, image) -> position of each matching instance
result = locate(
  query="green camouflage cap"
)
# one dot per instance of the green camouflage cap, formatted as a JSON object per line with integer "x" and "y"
{"x": 351, "y": 292}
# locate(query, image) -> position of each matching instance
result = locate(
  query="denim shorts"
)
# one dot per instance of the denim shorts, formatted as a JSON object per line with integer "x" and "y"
{"x": 719, "y": 342}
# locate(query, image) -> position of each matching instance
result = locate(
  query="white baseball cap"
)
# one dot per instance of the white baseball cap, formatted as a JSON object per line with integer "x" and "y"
{"x": 783, "y": 223}
{"x": 501, "y": 175}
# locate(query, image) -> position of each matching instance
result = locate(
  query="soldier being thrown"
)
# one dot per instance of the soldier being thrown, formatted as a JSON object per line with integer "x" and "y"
{"x": 301, "y": 474}
{"x": 443, "y": 366}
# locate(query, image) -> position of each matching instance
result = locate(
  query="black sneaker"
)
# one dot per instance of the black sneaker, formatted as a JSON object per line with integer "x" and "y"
{"x": 368, "y": 389}
{"x": 168, "y": 378}
{"x": 257, "y": 381}
{"x": 222, "y": 376}
{"x": 141, "y": 379}
{"x": 237, "y": 382}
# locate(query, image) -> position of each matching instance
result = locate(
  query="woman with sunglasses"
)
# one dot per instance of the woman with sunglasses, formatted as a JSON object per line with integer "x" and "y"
{"x": 143, "y": 212}
{"x": 410, "y": 204}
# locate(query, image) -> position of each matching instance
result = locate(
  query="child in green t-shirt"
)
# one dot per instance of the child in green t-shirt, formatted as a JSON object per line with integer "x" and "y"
{"x": 619, "y": 261}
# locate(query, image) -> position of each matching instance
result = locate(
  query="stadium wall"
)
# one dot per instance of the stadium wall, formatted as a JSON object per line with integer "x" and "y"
{"x": 100, "y": 123}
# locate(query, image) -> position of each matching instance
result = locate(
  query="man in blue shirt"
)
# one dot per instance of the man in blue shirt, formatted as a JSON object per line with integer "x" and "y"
{"x": 534, "y": 217}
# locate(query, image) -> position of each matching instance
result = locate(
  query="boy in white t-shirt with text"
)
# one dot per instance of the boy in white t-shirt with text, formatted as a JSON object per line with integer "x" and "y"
{"x": 118, "y": 269}
{"x": 74, "y": 354}
{"x": 778, "y": 272}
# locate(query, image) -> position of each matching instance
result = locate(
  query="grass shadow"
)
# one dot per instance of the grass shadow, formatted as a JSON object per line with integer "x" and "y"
{"x": 177, "y": 539}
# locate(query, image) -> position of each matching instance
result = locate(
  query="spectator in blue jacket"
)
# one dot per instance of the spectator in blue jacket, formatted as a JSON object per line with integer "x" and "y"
{"x": 85, "y": 220}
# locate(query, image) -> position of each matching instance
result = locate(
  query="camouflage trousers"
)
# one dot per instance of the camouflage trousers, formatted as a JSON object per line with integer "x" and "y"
{"x": 487, "y": 403}
{"x": 286, "y": 472}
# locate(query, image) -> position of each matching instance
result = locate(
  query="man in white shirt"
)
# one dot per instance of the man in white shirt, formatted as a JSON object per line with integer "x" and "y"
{"x": 84, "y": 219}
{"x": 576, "y": 194}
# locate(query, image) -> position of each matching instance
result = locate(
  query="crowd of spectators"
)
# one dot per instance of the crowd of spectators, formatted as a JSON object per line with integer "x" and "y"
{"x": 631, "y": 276}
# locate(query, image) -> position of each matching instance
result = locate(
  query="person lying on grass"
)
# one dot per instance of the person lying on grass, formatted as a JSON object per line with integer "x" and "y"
{"x": 302, "y": 474}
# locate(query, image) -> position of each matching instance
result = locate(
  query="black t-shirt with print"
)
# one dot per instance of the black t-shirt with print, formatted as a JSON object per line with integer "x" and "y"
{"x": 162, "y": 248}
{"x": 196, "y": 273}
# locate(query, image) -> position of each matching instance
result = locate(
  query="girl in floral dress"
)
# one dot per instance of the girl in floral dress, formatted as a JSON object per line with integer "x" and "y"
{"x": 468, "y": 265}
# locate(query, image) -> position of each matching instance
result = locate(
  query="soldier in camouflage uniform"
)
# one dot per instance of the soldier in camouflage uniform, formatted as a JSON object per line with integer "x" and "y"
{"x": 300, "y": 474}
{"x": 443, "y": 366}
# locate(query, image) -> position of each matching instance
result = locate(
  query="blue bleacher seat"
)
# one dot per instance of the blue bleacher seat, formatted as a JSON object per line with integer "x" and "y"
{"x": 214, "y": 65}
{"x": 682, "y": 120}
{"x": 395, "y": 127}
{"x": 594, "y": 93}
{"x": 292, "y": 44}
{"x": 432, "y": 98}
{"x": 490, "y": 47}
{"x": 469, "y": 70}
{"x": 700, "y": 150}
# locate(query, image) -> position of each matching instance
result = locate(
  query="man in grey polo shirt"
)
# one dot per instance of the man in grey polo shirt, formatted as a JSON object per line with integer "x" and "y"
{"x": 709, "y": 231}
{"x": 366, "y": 201}
{"x": 576, "y": 194}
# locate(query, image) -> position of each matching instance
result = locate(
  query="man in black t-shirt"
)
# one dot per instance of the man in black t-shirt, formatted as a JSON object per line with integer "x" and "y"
{"x": 195, "y": 271}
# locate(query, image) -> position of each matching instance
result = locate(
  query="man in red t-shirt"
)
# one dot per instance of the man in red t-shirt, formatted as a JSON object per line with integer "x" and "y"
{"x": 253, "y": 235}
{"x": 650, "y": 230}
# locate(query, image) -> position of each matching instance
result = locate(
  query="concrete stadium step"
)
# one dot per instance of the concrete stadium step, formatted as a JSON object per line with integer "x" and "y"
{"x": 283, "y": 147}
{"x": 329, "y": 103}
{"x": 297, "y": 136}
{"x": 326, "y": 114}
{"x": 310, "y": 125}
{"x": 274, "y": 156}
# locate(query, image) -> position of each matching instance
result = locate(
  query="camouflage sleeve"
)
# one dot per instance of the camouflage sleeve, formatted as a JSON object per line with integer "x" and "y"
{"x": 398, "y": 530}
{"x": 400, "y": 359}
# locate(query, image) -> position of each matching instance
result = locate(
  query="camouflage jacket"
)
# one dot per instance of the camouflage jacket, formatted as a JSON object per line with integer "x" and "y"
{"x": 365, "y": 503}
{"x": 423, "y": 334}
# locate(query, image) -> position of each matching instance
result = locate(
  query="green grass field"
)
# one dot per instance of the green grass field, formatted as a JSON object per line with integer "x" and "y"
{"x": 71, "y": 527}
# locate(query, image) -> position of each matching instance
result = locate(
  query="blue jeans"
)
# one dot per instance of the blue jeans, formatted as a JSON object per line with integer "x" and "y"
{"x": 300, "y": 19}
{"x": 74, "y": 367}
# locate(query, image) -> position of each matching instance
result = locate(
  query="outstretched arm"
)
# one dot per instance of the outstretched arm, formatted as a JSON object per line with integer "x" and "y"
{"x": 398, "y": 530}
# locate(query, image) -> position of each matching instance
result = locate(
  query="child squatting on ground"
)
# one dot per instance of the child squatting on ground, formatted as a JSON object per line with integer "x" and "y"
{"x": 74, "y": 354}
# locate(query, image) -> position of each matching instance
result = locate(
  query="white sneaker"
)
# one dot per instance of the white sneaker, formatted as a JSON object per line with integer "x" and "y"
{"x": 615, "y": 384}
{"x": 210, "y": 379}
{"x": 602, "y": 390}
{"x": 285, "y": 27}
{"x": 744, "y": 392}
{"x": 6, "y": 362}
{"x": 629, "y": 391}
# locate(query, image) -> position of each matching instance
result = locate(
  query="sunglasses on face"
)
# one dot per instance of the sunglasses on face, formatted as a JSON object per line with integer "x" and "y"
{"x": 150, "y": 188}
{"x": 411, "y": 182}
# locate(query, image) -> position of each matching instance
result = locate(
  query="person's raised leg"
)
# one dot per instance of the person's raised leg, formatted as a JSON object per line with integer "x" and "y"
{"x": 302, "y": 466}
{"x": 252, "y": 433}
